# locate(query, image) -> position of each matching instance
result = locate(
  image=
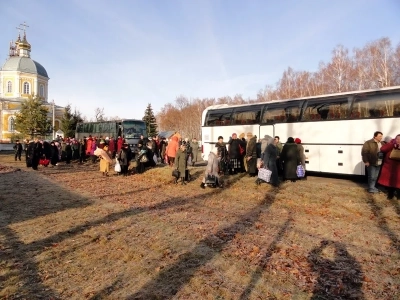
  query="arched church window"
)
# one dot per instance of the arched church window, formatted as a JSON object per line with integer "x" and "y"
{"x": 9, "y": 87}
{"x": 11, "y": 124}
{"x": 26, "y": 87}
{"x": 41, "y": 90}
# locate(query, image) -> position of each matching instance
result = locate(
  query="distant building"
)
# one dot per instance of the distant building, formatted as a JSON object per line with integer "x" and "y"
{"x": 21, "y": 77}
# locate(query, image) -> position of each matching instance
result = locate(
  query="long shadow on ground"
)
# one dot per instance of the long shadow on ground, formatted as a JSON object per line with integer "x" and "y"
{"x": 20, "y": 277}
{"x": 170, "y": 280}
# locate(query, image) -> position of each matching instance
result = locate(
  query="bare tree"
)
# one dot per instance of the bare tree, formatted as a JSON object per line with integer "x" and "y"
{"x": 99, "y": 114}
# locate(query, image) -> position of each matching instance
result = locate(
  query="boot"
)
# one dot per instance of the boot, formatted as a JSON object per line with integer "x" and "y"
{"x": 390, "y": 195}
{"x": 183, "y": 181}
{"x": 176, "y": 180}
{"x": 202, "y": 185}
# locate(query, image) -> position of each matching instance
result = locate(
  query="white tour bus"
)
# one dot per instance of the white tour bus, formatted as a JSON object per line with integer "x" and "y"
{"x": 332, "y": 128}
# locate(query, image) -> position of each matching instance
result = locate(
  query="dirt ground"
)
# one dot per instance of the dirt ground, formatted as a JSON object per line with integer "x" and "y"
{"x": 67, "y": 232}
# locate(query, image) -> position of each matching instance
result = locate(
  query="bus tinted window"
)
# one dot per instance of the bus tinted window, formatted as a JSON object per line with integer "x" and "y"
{"x": 376, "y": 106}
{"x": 282, "y": 113}
{"x": 246, "y": 115}
{"x": 326, "y": 110}
{"x": 219, "y": 117}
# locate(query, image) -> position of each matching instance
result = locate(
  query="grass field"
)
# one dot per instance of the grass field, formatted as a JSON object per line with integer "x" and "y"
{"x": 69, "y": 233}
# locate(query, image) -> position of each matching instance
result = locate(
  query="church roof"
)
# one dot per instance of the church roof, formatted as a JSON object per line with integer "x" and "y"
{"x": 24, "y": 64}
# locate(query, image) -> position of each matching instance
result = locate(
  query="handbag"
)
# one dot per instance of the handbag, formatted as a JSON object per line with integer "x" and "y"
{"x": 144, "y": 159}
{"x": 395, "y": 154}
{"x": 264, "y": 174}
{"x": 300, "y": 171}
{"x": 117, "y": 167}
{"x": 241, "y": 150}
{"x": 211, "y": 179}
{"x": 175, "y": 173}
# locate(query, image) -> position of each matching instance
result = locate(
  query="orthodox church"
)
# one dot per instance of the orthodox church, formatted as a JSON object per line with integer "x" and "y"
{"x": 21, "y": 77}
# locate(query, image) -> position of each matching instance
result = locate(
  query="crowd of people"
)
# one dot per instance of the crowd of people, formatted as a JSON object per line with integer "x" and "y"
{"x": 382, "y": 160}
{"x": 238, "y": 155}
{"x": 147, "y": 154}
{"x": 241, "y": 155}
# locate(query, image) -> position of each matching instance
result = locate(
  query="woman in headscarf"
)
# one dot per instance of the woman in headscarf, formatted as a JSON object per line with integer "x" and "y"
{"x": 181, "y": 162}
{"x": 53, "y": 154}
{"x": 104, "y": 163}
{"x": 251, "y": 156}
{"x": 390, "y": 172}
{"x": 212, "y": 168}
{"x": 290, "y": 158}
{"x": 269, "y": 158}
{"x": 302, "y": 155}
{"x": 172, "y": 149}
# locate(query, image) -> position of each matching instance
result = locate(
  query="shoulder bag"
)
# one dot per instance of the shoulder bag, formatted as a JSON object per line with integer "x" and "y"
{"x": 395, "y": 154}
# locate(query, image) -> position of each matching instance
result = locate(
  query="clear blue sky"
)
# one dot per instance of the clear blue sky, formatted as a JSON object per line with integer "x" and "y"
{"x": 122, "y": 55}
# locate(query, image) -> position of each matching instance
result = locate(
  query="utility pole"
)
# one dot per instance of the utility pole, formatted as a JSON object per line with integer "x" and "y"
{"x": 54, "y": 119}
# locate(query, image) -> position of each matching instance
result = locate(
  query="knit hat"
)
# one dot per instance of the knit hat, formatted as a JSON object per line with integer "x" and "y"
{"x": 297, "y": 141}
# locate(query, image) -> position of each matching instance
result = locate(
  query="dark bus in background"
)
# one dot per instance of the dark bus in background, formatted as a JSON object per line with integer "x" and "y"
{"x": 129, "y": 129}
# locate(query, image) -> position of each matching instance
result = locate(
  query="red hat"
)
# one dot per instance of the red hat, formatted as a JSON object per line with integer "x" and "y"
{"x": 297, "y": 141}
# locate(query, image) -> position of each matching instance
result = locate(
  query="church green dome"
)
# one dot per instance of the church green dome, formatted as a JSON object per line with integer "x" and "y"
{"x": 24, "y": 64}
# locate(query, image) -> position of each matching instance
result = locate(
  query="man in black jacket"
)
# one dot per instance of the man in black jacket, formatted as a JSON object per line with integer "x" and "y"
{"x": 18, "y": 150}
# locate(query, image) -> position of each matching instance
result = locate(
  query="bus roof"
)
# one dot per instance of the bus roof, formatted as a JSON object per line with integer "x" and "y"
{"x": 335, "y": 95}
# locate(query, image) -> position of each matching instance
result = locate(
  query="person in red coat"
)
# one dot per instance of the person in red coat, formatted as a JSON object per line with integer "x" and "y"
{"x": 390, "y": 172}
{"x": 111, "y": 147}
{"x": 120, "y": 141}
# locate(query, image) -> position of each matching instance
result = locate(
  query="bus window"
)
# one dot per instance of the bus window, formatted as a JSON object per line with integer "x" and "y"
{"x": 282, "y": 113}
{"x": 376, "y": 106}
{"x": 335, "y": 109}
{"x": 219, "y": 117}
{"x": 246, "y": 115}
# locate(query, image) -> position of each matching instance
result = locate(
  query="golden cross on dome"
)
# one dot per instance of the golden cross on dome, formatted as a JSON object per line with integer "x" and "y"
{"x": 22, "y": 25}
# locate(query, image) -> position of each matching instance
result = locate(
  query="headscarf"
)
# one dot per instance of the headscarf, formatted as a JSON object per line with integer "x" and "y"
{"x": 396, "y": 146}
{"x": 290, "y": 140}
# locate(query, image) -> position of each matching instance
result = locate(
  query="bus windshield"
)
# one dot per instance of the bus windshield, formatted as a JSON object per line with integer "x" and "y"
{"x": 133, "y": 129}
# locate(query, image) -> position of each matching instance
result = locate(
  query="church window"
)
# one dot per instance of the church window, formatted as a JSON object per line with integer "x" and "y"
{"x": 26, "y": 87}
{"x": 41, "y": 90}
{"x": 9, "y": 87}
{"x": 11, "y": 124}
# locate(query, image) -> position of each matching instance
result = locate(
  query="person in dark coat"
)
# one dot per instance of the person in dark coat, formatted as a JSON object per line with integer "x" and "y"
{"x": 290, "y": 158}
{"x": 18, "y": 150}
{"x": 150, "y": 154}
{"x": 390, "y": 171}
{"x": 181, "y": 162}
{"x": 123, "y": 159}
{"x": 53, "y": 154}
{"x": 269, "y": 157}
{"x": 195, "y": 151}
{"x": 163, "y": 147}
{"x": 223, "y": 156}
{"x": 81, "y": 151}
{"x": 302, "y": 154}
{"x": 251, "y": 156}
{"x": 235, "y": 155}
{"x": 34, "y": 154}
{"x": 68, "y": 152}
{"x": 46, "y": 152}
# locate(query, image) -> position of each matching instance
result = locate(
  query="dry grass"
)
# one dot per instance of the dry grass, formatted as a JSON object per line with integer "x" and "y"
{"x": 69, "y": 233}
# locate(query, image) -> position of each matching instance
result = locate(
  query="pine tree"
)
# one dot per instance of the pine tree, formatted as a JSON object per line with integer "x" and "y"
{"x": 69, "y": 121}
{"x": 66, "y": 122}
{"x": 32, "y": 118}
{"x": 151, "y": 122}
